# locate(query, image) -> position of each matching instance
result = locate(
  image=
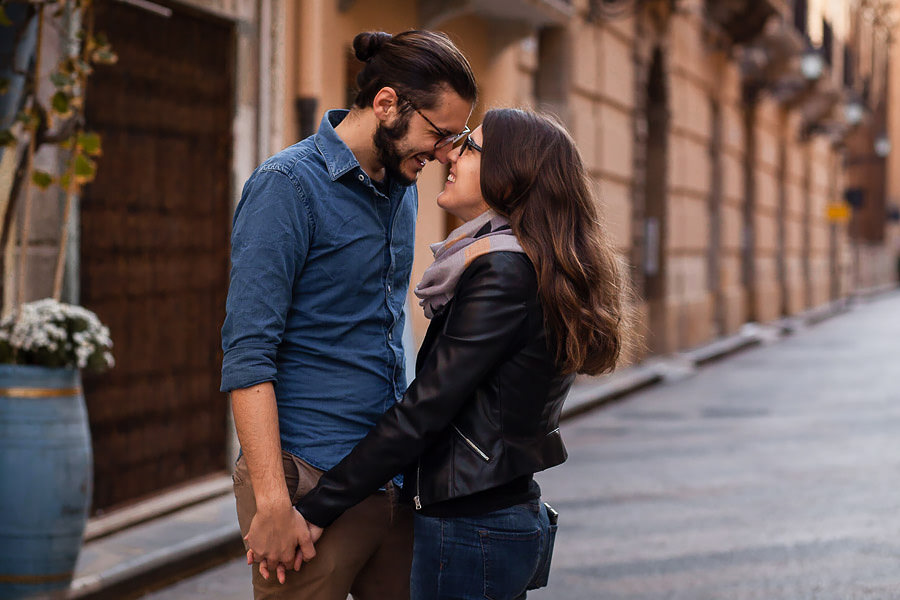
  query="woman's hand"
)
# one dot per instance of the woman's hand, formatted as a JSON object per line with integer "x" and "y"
{"x": 306, "y": 534}
{"x": 315, "y": 532}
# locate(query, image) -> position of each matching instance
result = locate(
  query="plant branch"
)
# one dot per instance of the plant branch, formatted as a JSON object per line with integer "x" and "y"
{"x": 77, "y": 123}
{"x": 26, "y": 219}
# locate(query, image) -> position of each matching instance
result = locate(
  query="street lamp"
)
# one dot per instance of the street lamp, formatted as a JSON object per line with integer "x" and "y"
{"x": 882, "y": 145}
{"x": 812, "y": 64}
{"x": 854, "y": 111}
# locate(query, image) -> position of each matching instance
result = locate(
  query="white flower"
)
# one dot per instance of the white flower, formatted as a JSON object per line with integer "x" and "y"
{"x": 43, "y": 331}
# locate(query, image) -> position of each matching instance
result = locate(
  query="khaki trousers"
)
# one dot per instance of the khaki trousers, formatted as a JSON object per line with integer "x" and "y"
{"x": 367, "y": 552}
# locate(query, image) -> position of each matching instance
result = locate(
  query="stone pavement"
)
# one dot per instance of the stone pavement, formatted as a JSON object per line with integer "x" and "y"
{"x": 772, "y": 475}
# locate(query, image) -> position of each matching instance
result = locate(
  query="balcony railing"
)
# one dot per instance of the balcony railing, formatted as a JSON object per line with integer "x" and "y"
{"x": 743, "y": 20}
{"x": 538, "y": 13}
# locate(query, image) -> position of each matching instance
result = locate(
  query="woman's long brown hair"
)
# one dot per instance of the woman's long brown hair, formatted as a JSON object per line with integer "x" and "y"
{"x": 532, "y": 173}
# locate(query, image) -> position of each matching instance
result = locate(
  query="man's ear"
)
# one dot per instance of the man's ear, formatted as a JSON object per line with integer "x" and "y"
{"x": 386, "y": 104}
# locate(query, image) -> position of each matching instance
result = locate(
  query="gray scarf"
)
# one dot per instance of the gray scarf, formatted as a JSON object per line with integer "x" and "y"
{"x": 488, "y": 232}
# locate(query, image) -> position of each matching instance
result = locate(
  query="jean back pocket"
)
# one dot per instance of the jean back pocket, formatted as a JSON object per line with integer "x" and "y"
{"x": 542, "y": 574}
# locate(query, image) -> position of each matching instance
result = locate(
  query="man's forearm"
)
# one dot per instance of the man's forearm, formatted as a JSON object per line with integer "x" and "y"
{"x": 256, "y": 421}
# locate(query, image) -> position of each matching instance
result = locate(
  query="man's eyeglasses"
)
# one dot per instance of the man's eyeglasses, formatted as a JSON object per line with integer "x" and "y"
{"x": 468, "y": 143}
{"x": 446, "y": 138}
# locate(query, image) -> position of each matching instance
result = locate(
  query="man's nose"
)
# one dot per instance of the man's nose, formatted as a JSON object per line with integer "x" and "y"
{"x": 442, "y": 155}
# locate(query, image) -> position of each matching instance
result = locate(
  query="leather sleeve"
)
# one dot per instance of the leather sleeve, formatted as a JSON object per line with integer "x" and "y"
{"x": 487, "y": 317}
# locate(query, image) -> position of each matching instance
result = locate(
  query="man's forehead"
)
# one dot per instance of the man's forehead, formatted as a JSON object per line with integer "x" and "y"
{"x": 452, "y": 110}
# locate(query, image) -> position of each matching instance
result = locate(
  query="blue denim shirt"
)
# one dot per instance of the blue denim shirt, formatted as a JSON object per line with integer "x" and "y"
{"x": 321, "y": 262}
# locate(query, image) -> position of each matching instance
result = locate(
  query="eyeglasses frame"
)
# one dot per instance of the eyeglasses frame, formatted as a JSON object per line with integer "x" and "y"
{"x": 446, "y": 138}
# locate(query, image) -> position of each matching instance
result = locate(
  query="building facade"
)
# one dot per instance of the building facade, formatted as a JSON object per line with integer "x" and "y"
{"x": 739, "y": 151}
{"x": 716, "y": 158}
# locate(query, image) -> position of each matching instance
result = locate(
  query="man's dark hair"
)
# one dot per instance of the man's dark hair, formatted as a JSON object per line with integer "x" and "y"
{"x": 419, "y": 65}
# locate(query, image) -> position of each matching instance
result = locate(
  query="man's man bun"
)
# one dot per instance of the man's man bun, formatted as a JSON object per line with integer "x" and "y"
{"x": 367, "y": 44}
{"x": 416, "y": 64}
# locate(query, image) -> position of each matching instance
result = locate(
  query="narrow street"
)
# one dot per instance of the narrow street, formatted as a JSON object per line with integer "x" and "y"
{"x": 773, "y": 475}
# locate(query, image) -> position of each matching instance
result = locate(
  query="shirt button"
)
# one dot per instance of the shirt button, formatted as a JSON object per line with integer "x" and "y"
{"x": 390, "y": 335}
{"x": 389, "y": 288}
{"x": 361, "y": 177}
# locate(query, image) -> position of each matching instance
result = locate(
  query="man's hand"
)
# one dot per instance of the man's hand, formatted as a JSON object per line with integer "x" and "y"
{"x": 274, "y": 537}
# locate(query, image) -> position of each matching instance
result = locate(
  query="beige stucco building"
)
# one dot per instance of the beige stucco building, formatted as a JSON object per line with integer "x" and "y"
{"x": 716, "y": 161}
{"x": 723, "y": 139}
{"x": 714, "y": 157}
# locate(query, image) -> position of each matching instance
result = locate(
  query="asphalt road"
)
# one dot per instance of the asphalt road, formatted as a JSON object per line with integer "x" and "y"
{"x": 773, "y": 475}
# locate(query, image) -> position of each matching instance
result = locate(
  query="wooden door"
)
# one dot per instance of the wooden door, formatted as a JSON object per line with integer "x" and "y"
{"x": 154, "y": 247}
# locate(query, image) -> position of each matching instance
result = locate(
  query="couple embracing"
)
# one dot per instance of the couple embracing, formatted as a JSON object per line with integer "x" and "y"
{"x": 350, "y": 482}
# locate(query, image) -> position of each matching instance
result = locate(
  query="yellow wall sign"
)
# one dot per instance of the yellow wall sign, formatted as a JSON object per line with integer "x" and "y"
{"x": 838, "y": 212}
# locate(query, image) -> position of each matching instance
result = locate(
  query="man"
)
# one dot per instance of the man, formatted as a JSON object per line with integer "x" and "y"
{"x": 322, "y": 249}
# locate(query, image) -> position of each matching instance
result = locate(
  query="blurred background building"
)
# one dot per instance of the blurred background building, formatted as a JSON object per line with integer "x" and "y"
{"x": 740, "y": 152}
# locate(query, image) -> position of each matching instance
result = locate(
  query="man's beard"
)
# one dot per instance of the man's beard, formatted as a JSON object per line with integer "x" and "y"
{"x": 388, "y": 153}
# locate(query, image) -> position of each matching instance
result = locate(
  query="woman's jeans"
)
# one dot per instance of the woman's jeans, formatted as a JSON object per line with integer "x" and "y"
{"x": 497, "y": 556}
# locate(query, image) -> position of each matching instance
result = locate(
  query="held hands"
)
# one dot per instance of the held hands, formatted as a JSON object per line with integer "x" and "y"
{"x": 280, "y": 537}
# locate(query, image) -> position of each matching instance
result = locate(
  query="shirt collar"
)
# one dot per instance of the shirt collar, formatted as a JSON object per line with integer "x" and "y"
{"x": 338, "y": 157}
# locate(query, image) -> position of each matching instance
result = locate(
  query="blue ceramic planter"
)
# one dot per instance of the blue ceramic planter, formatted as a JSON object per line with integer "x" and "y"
{"x": 45, "y": 478}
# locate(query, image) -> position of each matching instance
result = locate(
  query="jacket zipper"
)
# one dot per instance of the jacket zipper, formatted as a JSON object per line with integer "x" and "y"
{"x": 472, "y": 445}
{"x": 416, "y": 500}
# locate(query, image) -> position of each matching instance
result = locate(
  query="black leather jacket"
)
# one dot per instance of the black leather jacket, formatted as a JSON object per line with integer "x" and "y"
{"x": 484, "y": 407}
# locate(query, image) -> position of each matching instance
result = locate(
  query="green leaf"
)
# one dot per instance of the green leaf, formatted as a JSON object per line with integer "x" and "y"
{"x": 60, "y": 80}
{"x": 105, "y": 56}
{"x": 41, "y": 179}
{"x": 67, "y": 66}
{"x": 90, "y": 143}
{"x": 7, "y": 138}
{"x": 83, "y": 67}
{"x": 64, "y": 180}
{"x": 4, "y": 20}
{"x": 4, "y": 85}
{"x": 30, "y": 119}
{"x": 60, "y": 103}
{"x": 85, "y": 169}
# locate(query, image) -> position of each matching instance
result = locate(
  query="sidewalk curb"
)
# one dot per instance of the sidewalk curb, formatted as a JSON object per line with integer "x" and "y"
{"x": 589, "y": 395}
{"x": 160, "y": 506}
{"x": 157, "y": 568}
{"x": 585, "y": 397}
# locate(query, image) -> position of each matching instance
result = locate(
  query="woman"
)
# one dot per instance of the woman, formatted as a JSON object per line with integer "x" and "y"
{"x": 521, "y": 297}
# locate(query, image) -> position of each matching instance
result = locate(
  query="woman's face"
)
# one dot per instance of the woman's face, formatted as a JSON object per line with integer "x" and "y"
{"x": 462, "y": 191}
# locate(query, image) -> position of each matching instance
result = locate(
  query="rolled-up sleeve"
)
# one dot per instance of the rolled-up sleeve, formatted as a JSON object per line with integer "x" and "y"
{"x": 269, "y": 244}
